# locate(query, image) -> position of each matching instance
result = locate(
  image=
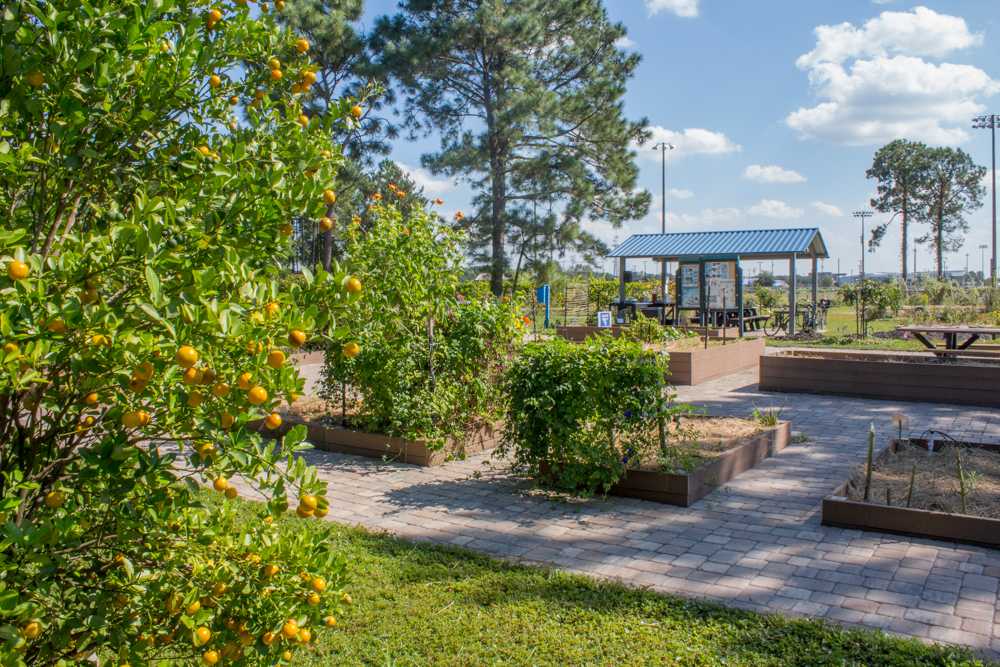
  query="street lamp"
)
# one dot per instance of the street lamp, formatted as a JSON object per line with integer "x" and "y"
{"x": 990, "y": 123}
{"x": 663, "y": 147}
{"x": 862, "y": 325}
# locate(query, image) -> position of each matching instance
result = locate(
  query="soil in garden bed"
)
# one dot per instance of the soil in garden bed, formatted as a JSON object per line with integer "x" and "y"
{"x": 695, "y": 441}
{"x": 936, "y": 485}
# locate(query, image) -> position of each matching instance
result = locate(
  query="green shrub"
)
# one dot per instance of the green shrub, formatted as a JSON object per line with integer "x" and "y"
{"x": 765, "y": 297}
{"x": 578, "y": 413}
{"x": 880, "y": 298}
{"x": 430, "y": 359}
{"x": 648, "y": 330}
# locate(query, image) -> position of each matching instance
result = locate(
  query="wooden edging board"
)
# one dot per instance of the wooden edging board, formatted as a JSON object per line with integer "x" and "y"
{"x": 881, "y": 376}
{"x": 838, "y": 510}
{"x": 373, "y": 445}
{"x": 687, "y": 488}
{"x": 697, "y": 365}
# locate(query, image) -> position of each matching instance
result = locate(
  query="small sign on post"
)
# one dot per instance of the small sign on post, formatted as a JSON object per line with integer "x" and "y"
{"x": 543, "y": 295}
{"x": 604, "y": 319}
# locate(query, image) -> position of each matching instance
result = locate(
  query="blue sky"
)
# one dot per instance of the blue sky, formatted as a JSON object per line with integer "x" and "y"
{"x": 777, "y": 106}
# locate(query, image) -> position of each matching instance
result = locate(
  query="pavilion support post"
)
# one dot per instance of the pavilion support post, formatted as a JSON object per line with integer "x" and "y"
{"x": 815, "y": 283}
{"x": 792, "y": 285}
{"x": 621, "y": 285}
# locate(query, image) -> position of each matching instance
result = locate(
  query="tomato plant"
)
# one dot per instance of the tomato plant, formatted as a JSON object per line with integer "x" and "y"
{"x": 152, "y": 155}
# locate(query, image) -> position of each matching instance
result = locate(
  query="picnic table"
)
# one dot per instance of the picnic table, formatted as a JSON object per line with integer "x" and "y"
{"x": 951, "y": 335}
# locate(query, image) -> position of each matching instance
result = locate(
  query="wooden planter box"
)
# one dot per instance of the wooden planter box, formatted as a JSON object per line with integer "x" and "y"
{"x": 842, "y": 512}
{"x": 578, "y": 334}
{"x": 348, "y": 441}
{"x": 882, "y": 376}
{"x": 699, "y": 365}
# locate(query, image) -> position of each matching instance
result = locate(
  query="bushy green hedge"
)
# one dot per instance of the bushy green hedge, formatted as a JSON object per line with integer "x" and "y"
{"x": 578, "y": 413}
{"x": 431, "y": 359}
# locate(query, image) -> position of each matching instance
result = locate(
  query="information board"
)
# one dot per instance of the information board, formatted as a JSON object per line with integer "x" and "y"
{"x": 690, "y": 296}
{"x": 720, "y": 284}
{"x": 604, "y": 319}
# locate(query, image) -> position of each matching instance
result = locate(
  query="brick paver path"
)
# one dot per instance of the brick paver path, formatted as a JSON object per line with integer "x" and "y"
{"x": 757, "y": 543}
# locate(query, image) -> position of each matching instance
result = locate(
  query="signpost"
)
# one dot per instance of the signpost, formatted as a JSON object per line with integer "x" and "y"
{"x": 544, "y": 296}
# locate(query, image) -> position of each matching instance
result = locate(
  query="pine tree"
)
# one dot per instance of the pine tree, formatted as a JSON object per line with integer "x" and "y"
{"x": 527, "y": 97}
{"x": 955, "y": 186}
{"x": 901, "y": 169}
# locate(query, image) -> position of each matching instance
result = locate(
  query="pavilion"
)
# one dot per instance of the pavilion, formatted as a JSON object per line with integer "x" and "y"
{"x": 728, "y": 246}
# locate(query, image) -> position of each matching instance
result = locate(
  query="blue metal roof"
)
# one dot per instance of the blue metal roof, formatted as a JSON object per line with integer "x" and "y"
{"x": 747, "y": 243}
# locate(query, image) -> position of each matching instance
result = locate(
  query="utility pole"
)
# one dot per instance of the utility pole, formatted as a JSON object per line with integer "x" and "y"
{"x": 990, "y": 122}
{"x": 862, "y": 324}
{"x": 982, "y": 261}
{"x": 663, "y": 147}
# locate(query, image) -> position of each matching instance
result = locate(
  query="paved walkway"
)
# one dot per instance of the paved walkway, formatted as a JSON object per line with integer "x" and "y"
{"x": 756, "y": 543}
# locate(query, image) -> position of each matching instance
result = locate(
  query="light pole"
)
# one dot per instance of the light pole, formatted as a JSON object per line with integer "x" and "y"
{"x": 663, "y": 147}
{"x": 862, "y": 325}
{"x": 990, "y": 122}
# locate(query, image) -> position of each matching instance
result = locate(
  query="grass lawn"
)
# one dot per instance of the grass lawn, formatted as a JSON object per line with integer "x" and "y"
{"x": 840, "y": 326}
{"x": 417, "y": 604}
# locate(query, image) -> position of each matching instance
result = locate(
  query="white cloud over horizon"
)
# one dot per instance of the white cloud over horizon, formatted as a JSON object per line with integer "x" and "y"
{"x": 873, "y": 84}
{"x": 687, "y": 142}
{"x": 426, "y": 180}
{"x": 772, "y": 173}
{"x": 625, "y": 43}
{"x": 776, "y": 209}
{"x": 827, "y": 209}
{"x": 684, "y": 8}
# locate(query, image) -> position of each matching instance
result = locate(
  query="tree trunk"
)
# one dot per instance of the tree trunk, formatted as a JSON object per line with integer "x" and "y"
{"x": 498, "y": 187}
{"x": 939, "y": 243}
{"x": 904, "y": 231}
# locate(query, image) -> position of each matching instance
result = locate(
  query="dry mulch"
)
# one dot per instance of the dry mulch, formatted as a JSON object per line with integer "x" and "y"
{"x": 936, "y": 485}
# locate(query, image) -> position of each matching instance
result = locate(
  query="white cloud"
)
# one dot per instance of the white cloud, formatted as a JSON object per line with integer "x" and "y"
{"x": 691, "y": 141}
{"x": 684, "y": 8}
{"x": 425, "y": 180}
{"x": 775, "y": 208}
{"x": 625, "y": 43}
{"x": 679, "y": 193}
{"x": 873, "y": 84}
{"x": 922, "y": 32}
{"x": 772, "y": 173}
{"x": 827, "y": 209}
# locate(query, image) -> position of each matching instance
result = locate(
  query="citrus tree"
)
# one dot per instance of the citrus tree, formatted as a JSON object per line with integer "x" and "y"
{"x": 431, "y": 357}
{"x": 152, "y": 154}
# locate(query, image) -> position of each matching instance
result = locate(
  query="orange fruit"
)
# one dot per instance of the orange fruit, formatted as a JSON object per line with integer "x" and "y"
{"x": 202, "y": 636}
{"x": 330, "y": 197}
{"x": 303, "y": 120}
{"x": 257, "y": 395}
{"x": 320, "y": 512}
{"x": 207, "y": 376}
{"x": 304, "y": 635}
{"x": 274, "y": 63}
{"x": 351, "y": 350}
{"x": 135, "y": 419}
{"x": 227, "y": 420}
{"x": 31, "y": 630}
{"x": 91, "y": 398}
{"x": 143, "y": 371}
{"x": 303, "y": 512}
{"x": 276, "y": 74}
{"x": 186, "y": 356}
{"x": 353, "y": 285}
{"x": 231, "y": 492}
{"x": 326, "y": 223}
{"x": 193, "y": 376}
{"x": 275, "y": 359}
{"x": 243, "y": 382}
{"x": 267, "y": 638}
{"x": 301, "y": 45}
{"x": 296, "y": 338}
{"x": 35, "y": 79}
{"x": 193, "y": 608}
{"x": 214, "y": 81}
{"x": 286, "y": 655}
{"x": 220, "y": 390}
{"x": 17, "y": 270}
{"x": 272, "y": 308}
{"x": 318, "y": 584}
{"x": 54, "y": 499}
{"x": 220, "y": 484}
{"x": 357, "y": 111}
{"x": 290, "y": 629}
{"x": 57, "y": 326}
{"x": 313, "y": 599}
{"x": 330, "y": 622}
{"x": 12, "y": 348}
{"x": 194, "y": 399}
{"x": 210, "y": 657}
{"x": 270, "y": 570}
{"x": 308, "y": 78}
{"x": 214, "y": 15}
{"x": 273, "y": 421}
{"x": 309, "y": 501}
{"x": 218, "y": 589}
{"x": 233, "y": 100}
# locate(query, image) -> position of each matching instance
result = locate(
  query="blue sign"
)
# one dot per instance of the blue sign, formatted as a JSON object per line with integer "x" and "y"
{"x": 604, "y": 319}
{"x": 544, "y": 296}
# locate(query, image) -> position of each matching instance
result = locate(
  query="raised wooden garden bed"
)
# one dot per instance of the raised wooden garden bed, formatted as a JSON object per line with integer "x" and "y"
{"x": 898, "y": 377}
{"x": 839, "y": 509}
{"x": 578, "y": 334}
{"x": 685, "y": 488}
{"x": 695, "y": 364}
{"x": 332, "y": 438}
